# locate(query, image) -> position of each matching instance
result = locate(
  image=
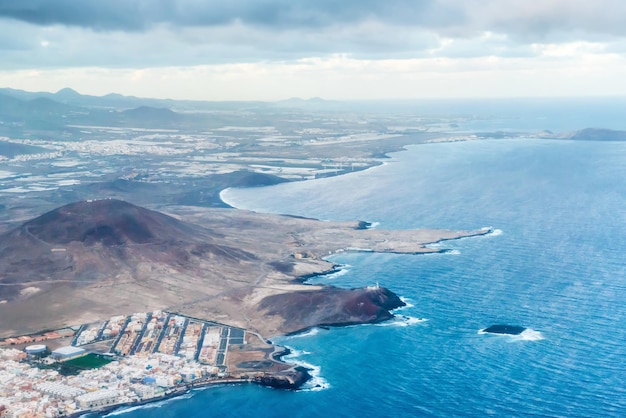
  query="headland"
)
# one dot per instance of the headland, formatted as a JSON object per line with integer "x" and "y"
{"x": 191, "y": 296}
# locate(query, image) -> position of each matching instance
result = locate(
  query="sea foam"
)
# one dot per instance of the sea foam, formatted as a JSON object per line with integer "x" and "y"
{"x": 527, "y": 335}
{"x": 308, "y": 333}
{"x": 531, "y": 335}
{"x": 317, "y": 382}
{"x": 407, "y": 305}
{"x": 158, "y": 404}
{"x": 494, "y": 231}
{"x": 341, "y": 270}
{"x": 402, "y": 321}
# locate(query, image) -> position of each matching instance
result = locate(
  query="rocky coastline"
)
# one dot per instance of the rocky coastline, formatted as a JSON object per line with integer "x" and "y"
{"x": 292, "y": 380}
{"x": 271, "y": 256}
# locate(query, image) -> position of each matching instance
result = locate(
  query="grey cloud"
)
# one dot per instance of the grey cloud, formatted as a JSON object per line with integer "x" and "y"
{"x": 198, "y": 46}
{"x": 144, "y": 33}
{"x": 545, "y": 20}
{"x": 110, "y": 14}
{"x": 134, "y": 15}
{"x": 522, "y": 19}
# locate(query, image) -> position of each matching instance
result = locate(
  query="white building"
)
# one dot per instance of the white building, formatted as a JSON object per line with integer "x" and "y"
{"x": 97, "y": 399}
{"x": 59, "y": 390}
{"x": 66, "y": 353}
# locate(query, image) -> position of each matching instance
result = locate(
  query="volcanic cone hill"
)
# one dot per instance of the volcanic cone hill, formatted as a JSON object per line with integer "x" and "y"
{"x": 106, "y": 222}
{"x": 90, "y": 260}
{"x": 102, "y": 239}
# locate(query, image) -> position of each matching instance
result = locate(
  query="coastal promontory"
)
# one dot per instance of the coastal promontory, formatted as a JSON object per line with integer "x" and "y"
{"x": 92, "y": 259}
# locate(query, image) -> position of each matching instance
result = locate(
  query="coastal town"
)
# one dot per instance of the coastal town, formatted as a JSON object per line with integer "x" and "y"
{"x": 127, "y": 360}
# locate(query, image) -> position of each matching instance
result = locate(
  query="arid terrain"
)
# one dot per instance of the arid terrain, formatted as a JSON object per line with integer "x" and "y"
{"x": 92, "y": 259}
{"x": 85, "y": 261}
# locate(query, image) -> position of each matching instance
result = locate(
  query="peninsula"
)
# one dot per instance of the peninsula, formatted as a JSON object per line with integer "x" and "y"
{"x": 176, "y": 273}
{"x": 92, "y": 259}
{"x": 189, "y": 297}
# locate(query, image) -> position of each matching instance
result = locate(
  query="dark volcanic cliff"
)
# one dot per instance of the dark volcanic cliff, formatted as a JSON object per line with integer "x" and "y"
{"x": 332, "y": 306}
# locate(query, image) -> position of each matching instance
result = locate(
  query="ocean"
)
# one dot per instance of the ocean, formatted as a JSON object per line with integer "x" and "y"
{"x": 554, "y": 264}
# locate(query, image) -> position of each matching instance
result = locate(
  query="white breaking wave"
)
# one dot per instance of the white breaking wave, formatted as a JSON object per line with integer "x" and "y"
{"x": 402, "y": 321}
{"x": 308, "y": 333}
{"x": 527, "y": 335}
{"x": 440, "y": 252}
{"x": 223, "y": 194}
{"x": 340, "y": 271}
{"x": 406, "y": 301}
{"x": 149, "y": 405}
{"x": 343, "y": 269}
{"x": 296, "y": 353}
{"x": 531, "y": 335}
{"x": 373, "y": 225}
{"x": 317, "y": 382}
{"x": 493, "y": 233}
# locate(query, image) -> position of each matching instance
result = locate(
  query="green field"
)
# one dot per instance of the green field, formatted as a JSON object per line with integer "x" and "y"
{"x": 77, "y": 365}
{"x": 90, "y": 361}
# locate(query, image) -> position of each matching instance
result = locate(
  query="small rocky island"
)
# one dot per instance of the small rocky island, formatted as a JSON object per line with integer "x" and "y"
{"x": 504, "y": 329}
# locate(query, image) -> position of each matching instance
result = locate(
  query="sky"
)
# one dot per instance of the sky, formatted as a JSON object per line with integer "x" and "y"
{"x": 335, "y": 49}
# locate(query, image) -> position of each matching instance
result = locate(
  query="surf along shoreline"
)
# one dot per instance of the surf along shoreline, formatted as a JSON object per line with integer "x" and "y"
{"x": 303, "y": 375}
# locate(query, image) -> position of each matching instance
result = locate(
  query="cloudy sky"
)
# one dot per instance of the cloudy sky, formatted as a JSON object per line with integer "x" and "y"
{"x": 336, "y": 49}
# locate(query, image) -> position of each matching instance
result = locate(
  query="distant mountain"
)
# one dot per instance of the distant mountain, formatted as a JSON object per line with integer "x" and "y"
{"x": 299, "y": 100}
{"x": 33, "y": 113}
{"x": 151, "y": 116}
{"x": 52, "y": 112}
{"x": 63, "y": 95}
{"x": 67, "y": 94}
{"x": 71, "y": 96}
{"x": 21, "y": 112}
{"x": 21, "y": 94}
{"x": 11, "y": 149}
{"x": 10, "y": 105}
{"x": 121, "y": 102}
{"x": 47, "y": 106}
{"x": 314, "y": 103}
{"x": 595, "y": 134}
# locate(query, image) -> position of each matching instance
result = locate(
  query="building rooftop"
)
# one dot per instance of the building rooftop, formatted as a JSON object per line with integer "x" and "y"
{"x": 68, "y": 351}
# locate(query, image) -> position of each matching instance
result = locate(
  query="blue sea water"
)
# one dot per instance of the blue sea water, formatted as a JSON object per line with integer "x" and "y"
{"x": 556, "y": 264}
